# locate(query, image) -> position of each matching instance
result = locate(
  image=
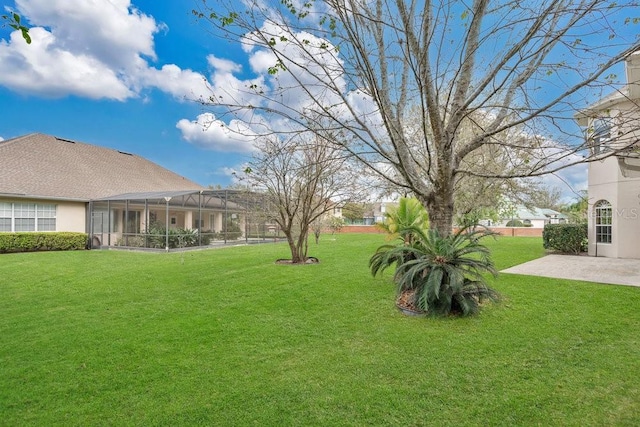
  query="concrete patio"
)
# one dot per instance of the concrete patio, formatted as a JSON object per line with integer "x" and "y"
{"x": 614, "y": 271}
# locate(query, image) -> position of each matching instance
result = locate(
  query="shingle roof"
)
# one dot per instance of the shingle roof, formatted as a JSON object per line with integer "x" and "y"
{"x": 523, "y": 212}
{"x": 42, "y": 165}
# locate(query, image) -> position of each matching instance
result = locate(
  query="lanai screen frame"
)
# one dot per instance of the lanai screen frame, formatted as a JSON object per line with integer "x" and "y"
{"x": 225, "y": 202}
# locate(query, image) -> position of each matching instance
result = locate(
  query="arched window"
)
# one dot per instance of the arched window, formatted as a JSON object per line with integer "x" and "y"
{"x": 604, "y": 216}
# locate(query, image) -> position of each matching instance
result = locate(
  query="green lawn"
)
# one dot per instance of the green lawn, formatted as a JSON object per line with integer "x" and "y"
{"x": 226, "y": 337}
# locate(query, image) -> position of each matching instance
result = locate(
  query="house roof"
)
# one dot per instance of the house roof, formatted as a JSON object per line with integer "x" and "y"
{"x": 45, "y": 166}
{"x": 185, "y": 198}
{"x": 630, "y": 91}
{"x": 534, "y": 213}
{"x": 595, "y": 109}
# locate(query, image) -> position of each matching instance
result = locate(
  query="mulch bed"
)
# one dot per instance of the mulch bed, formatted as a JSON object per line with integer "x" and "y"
{"x": 310, "y": 260}
{"x": 405, "y": 302}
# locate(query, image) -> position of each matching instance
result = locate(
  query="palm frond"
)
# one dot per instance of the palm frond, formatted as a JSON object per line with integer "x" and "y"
{"x": 447, "y": 273}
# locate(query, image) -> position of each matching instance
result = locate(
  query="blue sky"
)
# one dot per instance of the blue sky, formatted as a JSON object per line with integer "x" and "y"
{"x": 120, "y": 74}
{"x": 124, "y": 99}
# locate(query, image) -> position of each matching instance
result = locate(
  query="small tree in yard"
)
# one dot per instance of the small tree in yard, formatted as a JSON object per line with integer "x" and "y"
{"x": 578, "y": 211}
{"x": 335, "y": 224}
{"x": 301, "y": 175}
{"x": 318, "y": 226}
{"x": 354, "y": 212}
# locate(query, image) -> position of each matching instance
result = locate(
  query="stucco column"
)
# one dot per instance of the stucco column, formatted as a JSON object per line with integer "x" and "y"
{"x": 217, "y": 222}
{"x": 188, "y": 219}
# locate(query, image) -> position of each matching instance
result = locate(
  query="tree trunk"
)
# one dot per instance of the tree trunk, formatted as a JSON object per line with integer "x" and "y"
{"x": 441, "y": 216}
{"x": 439, "y": 205}
{"x": 297, "y": 246}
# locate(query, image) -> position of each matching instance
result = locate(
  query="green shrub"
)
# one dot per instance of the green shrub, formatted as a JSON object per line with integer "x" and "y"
{"x": 232, "y": 231}
{"x": 568, "y": 238}
{"x": 156, "y": 238}
{"x": 205, "y": 237}
{"x": 35, "y": 241}
{"x": 177, "y": 238}
{"x": 440, "y": 274}
{"x": 515, "y": 223}
{"x": 131, "y": 241}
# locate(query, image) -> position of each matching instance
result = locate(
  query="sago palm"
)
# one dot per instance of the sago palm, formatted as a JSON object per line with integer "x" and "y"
{"x": 408, "y": 215}
{"x": 444, "y": 273}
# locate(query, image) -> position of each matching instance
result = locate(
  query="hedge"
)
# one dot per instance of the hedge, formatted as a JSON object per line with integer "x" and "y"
{"x": 49, "y": 241}
{"x": 568, "y": 238}
{"x": 157, "y": 238}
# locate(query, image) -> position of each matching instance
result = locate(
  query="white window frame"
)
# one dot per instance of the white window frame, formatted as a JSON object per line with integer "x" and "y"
{"x": 603, "y": 222}
{"x": 28, "y": 217}
{"x": 601, "y": 137}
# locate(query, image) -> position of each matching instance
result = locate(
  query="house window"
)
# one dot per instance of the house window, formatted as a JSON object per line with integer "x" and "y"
{"x": 6, "y": 213}
{"x": 603, "y": 221}
{"x": 15, "y": 217}
{"x": 601, "y": 134}
{"x": 46, "y": 217}
{"x": 24, "y": 215}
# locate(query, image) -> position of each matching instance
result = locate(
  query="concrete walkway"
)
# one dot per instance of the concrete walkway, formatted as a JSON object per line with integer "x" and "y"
{"x": 615, "y": 271}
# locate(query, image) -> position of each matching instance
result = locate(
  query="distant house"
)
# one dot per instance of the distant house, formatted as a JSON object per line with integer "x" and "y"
{"x": 372, "y": 213}
{"x": 49, "y": 183}
{"x": 380, "y": 209}
{"x": 533, "y": 217}
{"x": 613, "y": 123}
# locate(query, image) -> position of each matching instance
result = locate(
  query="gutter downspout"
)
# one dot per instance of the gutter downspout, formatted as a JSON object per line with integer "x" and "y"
{"x": 109, "y": 222}
{"x": 90, "y": 230}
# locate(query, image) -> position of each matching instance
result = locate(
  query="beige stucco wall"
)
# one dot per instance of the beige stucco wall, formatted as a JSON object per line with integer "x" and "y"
{"x": 628, "y": 216}
{"x": 606, "y": 182}
{"x": 70, "y": 216}
{"x": 617, "y": 178}
{"x": 603, "y": 185}
{"x": 217, "y": 223}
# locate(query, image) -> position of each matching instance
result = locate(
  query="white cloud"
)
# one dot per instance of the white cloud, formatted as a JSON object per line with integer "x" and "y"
{"x": 223, "y": 65}
{"x": 289, "y": 92}
{"x": 180, "y": 83}
{"x": 94, "y": 49}
{"x": 45, "y": 69}
{"x": 309, "y": 71}
{"x": 113, "y": 31}
{"x": 213, "y": 134}
{"x": 1, "y": 138}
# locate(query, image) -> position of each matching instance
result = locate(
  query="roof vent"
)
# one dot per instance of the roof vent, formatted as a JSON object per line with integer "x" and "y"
{"x": 64, "y": 140}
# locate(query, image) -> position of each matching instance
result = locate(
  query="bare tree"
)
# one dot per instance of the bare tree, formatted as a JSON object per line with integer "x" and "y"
{"x": 302, "y": 175}
{"x": 364, "y": 66}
